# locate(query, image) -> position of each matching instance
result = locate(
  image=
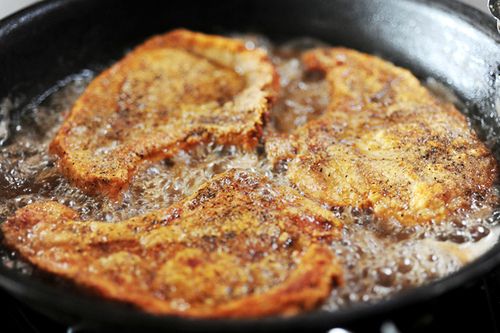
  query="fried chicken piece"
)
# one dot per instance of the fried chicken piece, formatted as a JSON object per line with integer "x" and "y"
{"x": 170, "y": 93}
{"x": 385, "y": 144}
{"x": 238, "y": 247}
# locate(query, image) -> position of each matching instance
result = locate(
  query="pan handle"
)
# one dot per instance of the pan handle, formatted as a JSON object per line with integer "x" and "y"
{"x": 494, "y": 6}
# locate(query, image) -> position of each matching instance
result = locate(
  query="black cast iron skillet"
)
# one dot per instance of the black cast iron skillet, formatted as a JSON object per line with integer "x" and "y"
{"x": 451, "y": 42}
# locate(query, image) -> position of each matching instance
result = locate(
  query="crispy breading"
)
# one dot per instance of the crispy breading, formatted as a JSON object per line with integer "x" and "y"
{"x": 170, "y": 93}
{"x": 386, "y": 144}
{"x": 238, "y": 247}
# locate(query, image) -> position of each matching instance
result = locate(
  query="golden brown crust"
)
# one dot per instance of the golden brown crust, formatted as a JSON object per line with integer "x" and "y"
{"x": 170, "y": 93}
{"x": 238, "y": 247}
{"x": 386, "y": 144}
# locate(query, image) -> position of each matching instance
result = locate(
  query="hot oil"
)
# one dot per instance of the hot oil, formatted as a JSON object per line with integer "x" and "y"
{"x": 303, "y": 97}
{"x": 377, "y": 263}
{"x": 379, "y": 259}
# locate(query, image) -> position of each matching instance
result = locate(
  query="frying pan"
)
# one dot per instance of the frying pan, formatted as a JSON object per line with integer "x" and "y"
{"x": 443, "y": 39}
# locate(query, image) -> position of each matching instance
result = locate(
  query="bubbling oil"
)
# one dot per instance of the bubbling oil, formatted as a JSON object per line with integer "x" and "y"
{"x": 379, "y": 259}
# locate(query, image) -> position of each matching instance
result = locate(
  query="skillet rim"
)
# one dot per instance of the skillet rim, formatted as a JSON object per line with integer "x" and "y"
{"x": 105, "y": 311}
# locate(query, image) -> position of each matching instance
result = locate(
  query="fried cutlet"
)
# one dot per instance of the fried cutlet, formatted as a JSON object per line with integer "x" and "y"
{"x": 238, "y": 247}
{"x": 385, "y": 144}
{"x": 169, "y": 94}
